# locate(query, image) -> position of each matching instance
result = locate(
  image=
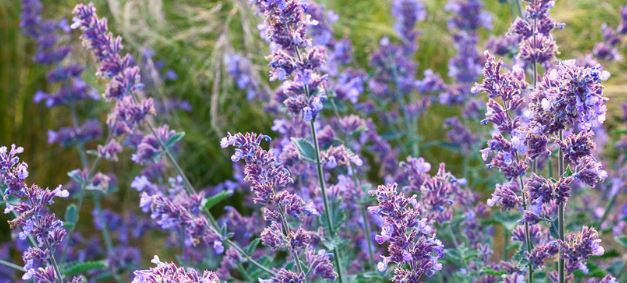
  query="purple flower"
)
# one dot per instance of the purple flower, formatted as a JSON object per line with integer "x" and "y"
{"x": 124, "y": 76}
{"x": 578, "y": 247}
{"x": 606, "y": 50}
{"x": 411, "y": 238}
{"x": 468, "y": 15}
{"x": 407, "y": 13}
{"x": 149, "y": 148}
{"x": 320, "y": 264}
{"x": 541, "y": 253}
{"x": 622, "y": 27}
{"x": 169, "y": 272}
{"x": 459, "y": 134}
{"x": 506, "y": 196}
{"x": 536, "y": 43}
{"x": 89, "y": 131}
{"x": 285, "y": 276}
{"x": 242, "y": 72}
{"x": 33, "y": 219}
{"x": 569, "y": 96}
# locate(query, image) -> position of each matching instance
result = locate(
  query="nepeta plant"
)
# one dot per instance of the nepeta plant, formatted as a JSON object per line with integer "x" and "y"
{"x": 567, "y": 99}
{"x": 304, "y": 205}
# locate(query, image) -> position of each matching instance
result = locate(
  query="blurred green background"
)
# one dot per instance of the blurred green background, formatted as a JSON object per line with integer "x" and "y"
{"x": 191, "y": 37}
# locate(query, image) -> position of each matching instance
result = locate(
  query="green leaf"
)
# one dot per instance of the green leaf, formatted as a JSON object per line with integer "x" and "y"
{"x": 306, "y": 150}
{"x": 569, "y": 172}
{"x": 174, "y": 139}
{"x": 71, "y": 217}
{"x": 75, "y": 268}
{"x": 370, "y": 277}
{"x": 490, "y": 271}
{"x": 208, "y": 203}
{"x": 622, "y": 240}
{"x": 76, "y": 176}
{"x": 252, "y": 246}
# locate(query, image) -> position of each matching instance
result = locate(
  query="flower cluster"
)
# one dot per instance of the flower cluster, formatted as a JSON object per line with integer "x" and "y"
{"x": 33, "y": 220}
{"x": 546, "y": 138}
{"x": 578, "y": 247}
{"x": 407, "y": 13}
{"x": 569, "y": 96}
{"x": 468, "y": 17}
{"x": 245, "y": 77}
{"x": 504, "y": 89}
{"x": 169, "y": 272}
{"x": 268, "y": 180}
{"x": 125, "y": 79}
{"x": 67, "y": 74}
{"x": 412, "y": 245}
{"x": 534, "y": 32}
{"x": 606, "y": 49}
{"x": 285, "y": 23}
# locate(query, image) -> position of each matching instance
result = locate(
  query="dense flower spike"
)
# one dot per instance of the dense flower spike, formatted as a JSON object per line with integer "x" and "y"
{"x": 407, "y": 13}
{"x": 285, "y": 23}
{"x": 465, "y": 67}
{"x": 33, "y": 220}
{"x": 569, "y": 96}
{"x": 534, "y": 32}
{"x": 241, "y": 69}
{"x": 268, "y": 180}
{"x": 411, "y": 239}
{"x": 124, "y": 76}
{"x": 580, "y": 246}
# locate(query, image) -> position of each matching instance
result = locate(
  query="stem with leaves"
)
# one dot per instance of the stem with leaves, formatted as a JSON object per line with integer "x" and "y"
{"x": 189, "y": 188}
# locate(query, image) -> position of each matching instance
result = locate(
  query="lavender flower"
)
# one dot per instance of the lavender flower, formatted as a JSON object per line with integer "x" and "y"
{"x": 465, "y": 67}
{"x": 569, "y": 96}
{"x": 459, "y": 134}
{"x": 534, "y": 31}
{"x": 242, "y": 72}
{"x": 606, "y": 50}
{"x": 169, "y": 272}
{"x": 32, "y": 219}
{"x": 407, "y": 13}
{"x": 268, "y": 180}
{"x": 541, "y": 253}
{"x": 124, "y": 75}
{"x": 468, "y": 15}
{"x": 411, "y": 238}
{"x": 285, "y": 24}
{"x": 578, "y": 247}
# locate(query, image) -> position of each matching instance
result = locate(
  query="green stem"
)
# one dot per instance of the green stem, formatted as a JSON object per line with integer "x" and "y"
{"x": 53, "y": 261}
{"x": 505, "y": 243}
{"x": 327, "y": 207}
{"x": 560, "y": 214}
{"x": 364, "y": 216}
{"x": 12, "y": 265}
{"x": 607, "y": 210}
{"x": 519, "y": 6}
{"x": 362, "y": 207}
{"x": 106, "y": 236}
{"x": 411, "y": 132}
{"x": 325, "y": 200}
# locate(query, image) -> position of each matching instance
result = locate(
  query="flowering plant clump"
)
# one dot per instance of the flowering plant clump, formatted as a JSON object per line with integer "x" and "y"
{"x": 341, "y": 188}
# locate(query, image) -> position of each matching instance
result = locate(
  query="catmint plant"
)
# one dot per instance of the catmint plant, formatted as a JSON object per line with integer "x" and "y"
{"x": 31, "y": 218}
{"x": 567, "y": 98}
